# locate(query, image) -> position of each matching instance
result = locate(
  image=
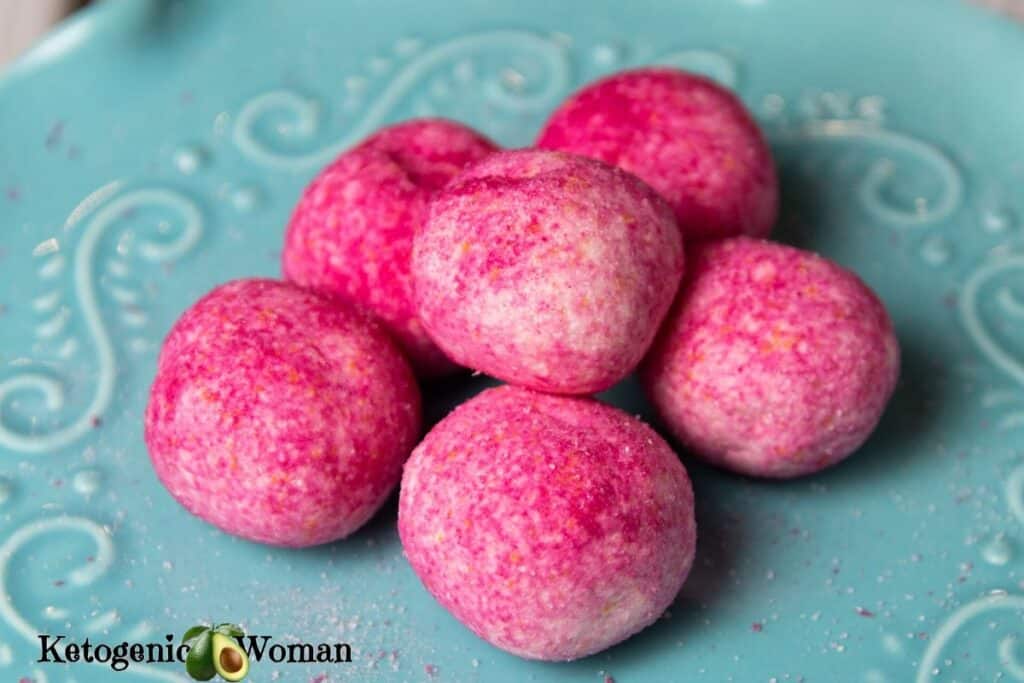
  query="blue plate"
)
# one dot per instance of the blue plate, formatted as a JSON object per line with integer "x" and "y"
{"x": 150, "y": 150}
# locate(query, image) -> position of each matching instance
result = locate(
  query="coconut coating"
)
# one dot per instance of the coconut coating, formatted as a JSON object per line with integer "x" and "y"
{"x": 692, "y": 140}
{"x": 547, "y": 270}
{"x": 553, "y": 527}
{"x": 774, "y": 362}
{"x": 351, "y": 232}
{"x": 280, "y": 416}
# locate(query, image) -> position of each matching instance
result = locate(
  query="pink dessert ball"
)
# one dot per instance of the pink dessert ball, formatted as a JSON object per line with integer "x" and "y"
{"x": 280, "y": 416}
{"x": 553, "y": 527}
{"x": 547, "y": 270}
{"x": 774, "y": 362}
{"x": 692, "y": 140}
{"x": 351, "y": 232}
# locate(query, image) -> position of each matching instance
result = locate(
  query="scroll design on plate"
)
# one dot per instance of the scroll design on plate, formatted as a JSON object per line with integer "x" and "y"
{"x": 1007, "y": 655}
{"x": 871, "y": 188}
{"x": 305, "y": 116}
{"x": 98, "y": 213}
{"x": 100, "y": 562}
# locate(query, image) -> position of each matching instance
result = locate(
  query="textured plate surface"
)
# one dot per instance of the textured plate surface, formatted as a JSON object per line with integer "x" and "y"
{"x": 149, "y": 150}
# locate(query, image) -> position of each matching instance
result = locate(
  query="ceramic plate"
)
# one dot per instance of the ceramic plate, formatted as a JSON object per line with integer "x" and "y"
{"x": 150, "y": 150}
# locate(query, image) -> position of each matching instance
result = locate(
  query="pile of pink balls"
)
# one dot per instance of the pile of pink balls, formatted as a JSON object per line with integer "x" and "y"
{"x": 549, "y": 523}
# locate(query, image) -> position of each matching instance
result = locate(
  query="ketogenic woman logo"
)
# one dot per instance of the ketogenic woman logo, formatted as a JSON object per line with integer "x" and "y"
{"x": 206, "y": 651}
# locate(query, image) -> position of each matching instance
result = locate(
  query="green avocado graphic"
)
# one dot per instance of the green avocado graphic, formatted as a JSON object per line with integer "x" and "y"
{"x": 229, "y": 660}
{"x": 216, "y": 651}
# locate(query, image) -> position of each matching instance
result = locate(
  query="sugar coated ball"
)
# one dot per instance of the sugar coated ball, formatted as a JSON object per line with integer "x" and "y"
{"x": 280, "y": 416}
{"x": 553, "y": 527}
{"x": 547, "y": 270}
{"x": 692, "y": 140}
{"x": 774, "y": 362}
{"x": 351, "y": 232}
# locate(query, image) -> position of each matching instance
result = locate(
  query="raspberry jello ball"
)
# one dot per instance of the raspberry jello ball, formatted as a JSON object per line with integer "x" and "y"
{"x": 351, "y": 232}
{"x": 280, "y": 416}
{"x": 774, "y": 362}
{"x": 692, "y": 140}
{"x": 547, "y": 270}
{"x": 551, "y": 526}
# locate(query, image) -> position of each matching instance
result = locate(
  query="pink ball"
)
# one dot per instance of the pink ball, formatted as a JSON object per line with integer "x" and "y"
{"x": 351, "y": 232}
{"x": 553, "y": 527}
{"x": 547, "y": 270}
{"x": 774, "y": 362}
{"x": 691, "y": 139}
{"x": 280, "y": 416}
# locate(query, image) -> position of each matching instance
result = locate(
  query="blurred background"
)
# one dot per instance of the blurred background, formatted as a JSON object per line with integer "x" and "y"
{"x": 22, "y": 22}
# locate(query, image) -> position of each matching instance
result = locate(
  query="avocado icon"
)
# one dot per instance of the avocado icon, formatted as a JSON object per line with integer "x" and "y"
{"x": 229, "y": 659}
{"x": 215, "y": 651}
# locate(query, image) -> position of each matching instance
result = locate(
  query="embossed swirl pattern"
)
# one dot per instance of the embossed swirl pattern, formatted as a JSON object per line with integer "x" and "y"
{"x": 986, "y": 605}
{"x": 1007, "y": 301}
{"x": 871, "y": 189}
{"x": 107, "y": 214}
{"x": 305, "y": 113}
{"x": 99, "y": 563}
